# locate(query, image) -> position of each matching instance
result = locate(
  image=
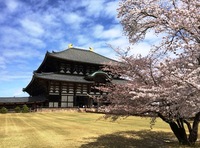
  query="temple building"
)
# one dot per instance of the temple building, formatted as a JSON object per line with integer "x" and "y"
{"x": 66, "y": 79}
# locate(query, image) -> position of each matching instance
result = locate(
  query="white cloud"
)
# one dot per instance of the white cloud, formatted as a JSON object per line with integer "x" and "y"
{"x": 113, "y": 32}
{"x": 32, "y": 28}
{"x": 62, "y": 45}
{"x": 2, "y": 63}
{"x": 111, "y": 9}
{"x": 8, "y": 76}
{"x": 2, "y": 17}
{"x": 142, "y": 48}
{"x": 13, "y": 87}
{"x": 25, "y": 53}
{"x": 19, "y": 93}
{"x": 106, "y": 51}
{"x": 120, "y": 42}
{"x": 83, "y": 39}
{"x": 16, "y": 38}
{"x": 12, "y": 5}
{"x": 50, "y": 19}
{"x": 73, "y": 19}
{"x": 97, "y": 30}
{"x": 9, "y": 36}
{"x": 94, "y": 7}
{"x": 35, "y": 42}
{"x": 97, "y": 8}
{"x": 55, "y": 35}
{"x": 12, "y": 77}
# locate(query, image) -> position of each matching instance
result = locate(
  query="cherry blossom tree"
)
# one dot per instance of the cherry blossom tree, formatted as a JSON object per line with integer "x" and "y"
{"x": 165, "y": 83}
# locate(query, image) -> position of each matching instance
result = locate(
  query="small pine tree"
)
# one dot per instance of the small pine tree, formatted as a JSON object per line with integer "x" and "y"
{"x": 25, "y": 109}
{"x": 3, "y": 110}
{"x": 17, "y": 109}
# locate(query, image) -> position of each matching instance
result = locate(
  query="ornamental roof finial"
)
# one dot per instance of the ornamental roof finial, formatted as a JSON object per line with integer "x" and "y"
{"x": 70, "y": 45}
{"x": 91, "y": 49}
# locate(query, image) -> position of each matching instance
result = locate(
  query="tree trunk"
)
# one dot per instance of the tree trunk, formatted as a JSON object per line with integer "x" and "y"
{"x": 194, "y": 132}
{"x": 179, "y": 130}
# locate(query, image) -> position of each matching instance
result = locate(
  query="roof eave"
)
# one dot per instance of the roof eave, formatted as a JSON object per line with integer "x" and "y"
{"x": 44, "y": 61}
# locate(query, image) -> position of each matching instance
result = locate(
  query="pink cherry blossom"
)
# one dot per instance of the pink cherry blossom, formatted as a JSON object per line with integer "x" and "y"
{"x": 165, "y": 83}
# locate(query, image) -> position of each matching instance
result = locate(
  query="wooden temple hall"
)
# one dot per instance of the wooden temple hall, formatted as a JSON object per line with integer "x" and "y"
{"x": 66, "y": 79}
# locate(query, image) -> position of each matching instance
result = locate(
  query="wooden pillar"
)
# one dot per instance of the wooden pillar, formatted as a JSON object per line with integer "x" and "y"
{"x": 74, "y": 97}
{"x": 60, "y": 94}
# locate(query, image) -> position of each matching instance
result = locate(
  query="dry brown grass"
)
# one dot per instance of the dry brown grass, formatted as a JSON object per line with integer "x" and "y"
{"x": 71, "y": 129}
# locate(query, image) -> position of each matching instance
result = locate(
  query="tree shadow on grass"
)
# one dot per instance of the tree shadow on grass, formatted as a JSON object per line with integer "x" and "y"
{"x": 134, "y": 139}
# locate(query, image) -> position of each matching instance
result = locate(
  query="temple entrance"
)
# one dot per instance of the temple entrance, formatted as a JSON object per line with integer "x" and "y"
{"x": 83, "y": 101}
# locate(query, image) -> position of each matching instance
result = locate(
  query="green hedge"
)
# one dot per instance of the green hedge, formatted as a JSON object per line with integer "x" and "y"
{"x": 17, "y": 109}
{"x": 3, "y": 110}
{"x": 25, "y": 109}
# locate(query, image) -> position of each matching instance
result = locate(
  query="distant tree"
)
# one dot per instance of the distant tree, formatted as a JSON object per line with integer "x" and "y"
{"x": 165, "y": 83}
{"x": 25, "y": 109}
{"x": 17, "y": 109}
{"x": 3, "y": 110}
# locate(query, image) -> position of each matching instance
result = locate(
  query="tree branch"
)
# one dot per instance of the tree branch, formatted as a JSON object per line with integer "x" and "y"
{"x": 188, "y": 125}
{"x": 163, "y": 118}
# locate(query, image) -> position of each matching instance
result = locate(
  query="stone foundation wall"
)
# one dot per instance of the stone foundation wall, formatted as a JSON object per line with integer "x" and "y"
{"x": 91, "y": 110}
{"x": 60, "y": 110}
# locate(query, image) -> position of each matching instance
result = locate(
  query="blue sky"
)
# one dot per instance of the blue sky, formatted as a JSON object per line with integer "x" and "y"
{"x": 30, "y": 28}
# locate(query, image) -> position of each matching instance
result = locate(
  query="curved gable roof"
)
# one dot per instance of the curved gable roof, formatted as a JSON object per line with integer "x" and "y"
{"x": 81, "y": 55}
{"x": 77, "y": 55}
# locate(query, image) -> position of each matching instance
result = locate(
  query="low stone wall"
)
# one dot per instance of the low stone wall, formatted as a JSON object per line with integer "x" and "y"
{"x": 60, "y": 110}
{"x": 89, "y": 110}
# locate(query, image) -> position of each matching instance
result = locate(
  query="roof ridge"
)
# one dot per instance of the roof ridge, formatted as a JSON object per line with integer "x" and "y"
{"x": 55, "y": 52}
{"x": 82, "y": 50}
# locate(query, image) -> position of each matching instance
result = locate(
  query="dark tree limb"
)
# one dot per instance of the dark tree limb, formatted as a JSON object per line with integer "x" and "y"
{"x": 194, "y": 132}
{"x": 163, "y": 118}
{"x": 188, "y": 125}
{"x": 177, "y": 128}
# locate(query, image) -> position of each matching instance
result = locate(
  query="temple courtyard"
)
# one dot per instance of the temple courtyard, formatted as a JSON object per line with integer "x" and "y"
{"x": 85, "y": 130}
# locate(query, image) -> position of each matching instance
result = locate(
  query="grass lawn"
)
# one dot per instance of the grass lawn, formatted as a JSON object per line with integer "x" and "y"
{"x": 85, "y": 130}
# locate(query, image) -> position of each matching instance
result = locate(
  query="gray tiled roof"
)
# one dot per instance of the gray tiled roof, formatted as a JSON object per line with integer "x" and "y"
{"x": 119, "y": 81}
{"x": 81, "y": 55}
{"x": 71, "y": 78}
{"x": 22, "y": 99}
{"x": 62, "y": 77}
